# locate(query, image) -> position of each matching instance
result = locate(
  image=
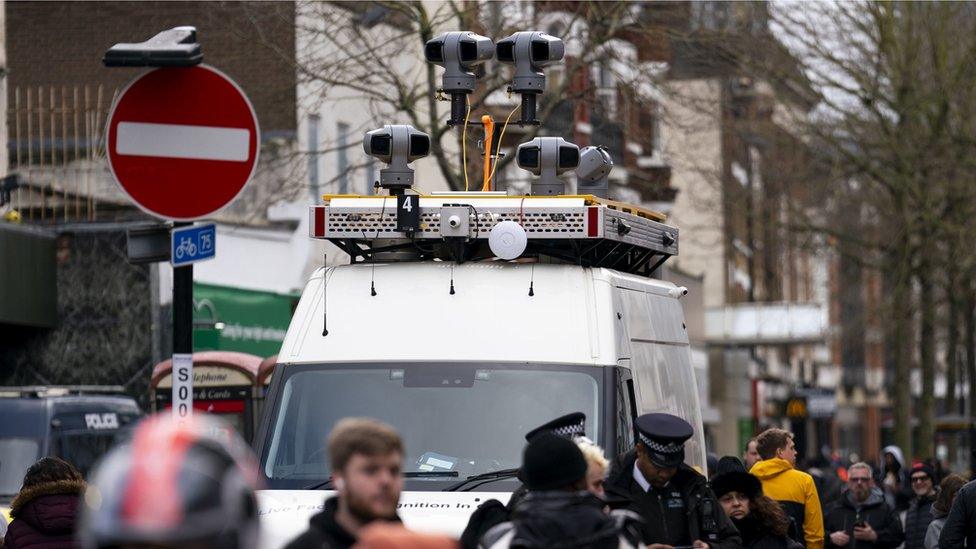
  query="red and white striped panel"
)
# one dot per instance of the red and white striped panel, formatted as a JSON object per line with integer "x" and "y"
{"x": 316, "y": 222}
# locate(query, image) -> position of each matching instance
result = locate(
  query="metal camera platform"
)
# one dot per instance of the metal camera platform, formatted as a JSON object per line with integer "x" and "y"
{"x": 579, "y": 229}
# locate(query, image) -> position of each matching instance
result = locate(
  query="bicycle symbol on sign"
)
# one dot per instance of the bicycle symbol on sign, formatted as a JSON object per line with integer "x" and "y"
{"x": 186, "y": 247}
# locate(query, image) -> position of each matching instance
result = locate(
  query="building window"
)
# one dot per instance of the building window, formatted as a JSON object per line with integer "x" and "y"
{"x": 657, "y": 145}
{"x": 606, "y": 89}
{"x": 312, "y": 124}
{"x": 342, "y": 133}
{"x": 711, "y": 15}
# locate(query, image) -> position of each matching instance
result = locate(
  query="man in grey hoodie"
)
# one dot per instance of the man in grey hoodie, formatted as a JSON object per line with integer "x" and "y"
{"x": 861, "y": 519}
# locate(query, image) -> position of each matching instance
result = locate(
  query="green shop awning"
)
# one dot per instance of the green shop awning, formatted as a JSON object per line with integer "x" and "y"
{"x": 234, "y": 319}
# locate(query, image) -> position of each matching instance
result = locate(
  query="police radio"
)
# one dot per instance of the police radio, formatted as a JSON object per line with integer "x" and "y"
{"x": 709, "y": 525}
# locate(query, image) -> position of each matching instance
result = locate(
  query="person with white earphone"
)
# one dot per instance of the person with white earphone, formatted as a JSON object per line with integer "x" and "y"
{"x": 366, "y": 457}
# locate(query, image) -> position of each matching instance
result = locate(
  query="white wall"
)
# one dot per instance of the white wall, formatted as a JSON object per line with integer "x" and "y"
{"x": 692, "y": 139}
{"x": 336, "y": 104}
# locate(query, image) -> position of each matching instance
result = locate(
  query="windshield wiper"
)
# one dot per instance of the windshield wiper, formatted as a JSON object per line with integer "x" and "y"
{"x": 327, "y": 483}
{"x": 322, "y": 485}
{"x": 483, "y": 478}
{"x": 421, "y": 474}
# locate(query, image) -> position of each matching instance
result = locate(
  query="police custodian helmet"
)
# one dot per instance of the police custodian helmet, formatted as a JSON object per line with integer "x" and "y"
{"x": 664, "y": 436}
{"x": 568, "y": 426}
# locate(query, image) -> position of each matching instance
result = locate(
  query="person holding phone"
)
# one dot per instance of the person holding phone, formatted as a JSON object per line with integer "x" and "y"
{"x": 861, "y": 519}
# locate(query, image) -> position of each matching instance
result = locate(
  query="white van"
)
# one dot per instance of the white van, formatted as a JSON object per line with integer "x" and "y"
{"x": 463, "y": 361}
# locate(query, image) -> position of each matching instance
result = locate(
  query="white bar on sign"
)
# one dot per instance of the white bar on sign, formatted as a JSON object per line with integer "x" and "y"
{"x": 182, "y": 386}
{"x": 182, "y": 141}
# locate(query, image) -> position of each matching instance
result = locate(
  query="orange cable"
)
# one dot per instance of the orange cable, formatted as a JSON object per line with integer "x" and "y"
{"x": 489, "y": 125}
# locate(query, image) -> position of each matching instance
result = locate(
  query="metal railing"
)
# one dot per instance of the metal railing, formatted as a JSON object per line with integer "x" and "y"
{"x": 57, "y": 151}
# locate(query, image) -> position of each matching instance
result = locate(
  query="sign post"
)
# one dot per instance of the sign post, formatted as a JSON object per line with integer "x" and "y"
{"x": 183, "y": 141}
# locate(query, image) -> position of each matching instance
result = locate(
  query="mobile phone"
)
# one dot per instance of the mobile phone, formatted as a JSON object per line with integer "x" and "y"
{"x": 860, "y": 524}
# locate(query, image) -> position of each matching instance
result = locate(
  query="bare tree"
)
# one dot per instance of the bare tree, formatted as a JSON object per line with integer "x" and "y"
{"x": 895, "y": 92}
{"x": 372, "y": 53}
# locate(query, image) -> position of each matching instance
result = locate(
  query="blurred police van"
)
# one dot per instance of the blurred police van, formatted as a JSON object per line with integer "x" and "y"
{"x": 76, "y": 423}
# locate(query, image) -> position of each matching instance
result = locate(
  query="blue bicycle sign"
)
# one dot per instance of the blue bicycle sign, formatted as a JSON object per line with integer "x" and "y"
{"x": 194, "y": 243}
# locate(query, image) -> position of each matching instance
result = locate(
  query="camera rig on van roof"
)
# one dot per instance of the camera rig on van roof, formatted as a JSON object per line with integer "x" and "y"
{"x": 587, "y": 229}
{"x": 578, "y": 229}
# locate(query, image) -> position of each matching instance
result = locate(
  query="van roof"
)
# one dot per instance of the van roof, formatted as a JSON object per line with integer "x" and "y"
{"x": 489, "y": 317}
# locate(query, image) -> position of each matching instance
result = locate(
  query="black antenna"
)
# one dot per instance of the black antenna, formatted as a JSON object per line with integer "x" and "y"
{"x": 372, "y": 262}
{"x": 325, "y": 289}
{"x": 532, "y": 281}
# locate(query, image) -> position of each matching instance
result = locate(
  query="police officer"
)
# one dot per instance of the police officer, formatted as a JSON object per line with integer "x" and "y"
{"x": 492, "y": 512}
{"x": 569, "y": 426}
{"x": 678, "y": 507}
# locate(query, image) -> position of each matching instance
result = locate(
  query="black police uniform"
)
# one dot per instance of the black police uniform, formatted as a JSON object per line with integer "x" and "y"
{"x": 685, "y": 509}
{"x": 492, "y": 513}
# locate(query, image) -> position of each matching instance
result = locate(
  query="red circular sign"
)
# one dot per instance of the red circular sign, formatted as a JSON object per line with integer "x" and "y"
{"x": 182, "y": 142}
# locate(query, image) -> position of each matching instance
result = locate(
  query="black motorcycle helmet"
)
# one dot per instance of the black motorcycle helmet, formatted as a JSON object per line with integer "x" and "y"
{"x": 176, "y": 484}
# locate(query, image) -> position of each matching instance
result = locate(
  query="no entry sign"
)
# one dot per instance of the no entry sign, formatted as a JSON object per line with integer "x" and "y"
{"x": 182, "y": 142}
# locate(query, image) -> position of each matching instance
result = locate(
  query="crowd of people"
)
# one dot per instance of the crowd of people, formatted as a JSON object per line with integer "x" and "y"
{"x": 192, "y": 485}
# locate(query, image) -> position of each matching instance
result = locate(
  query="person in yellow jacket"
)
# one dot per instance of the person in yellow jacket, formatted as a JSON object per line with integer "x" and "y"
{"x": 793, "y": 489}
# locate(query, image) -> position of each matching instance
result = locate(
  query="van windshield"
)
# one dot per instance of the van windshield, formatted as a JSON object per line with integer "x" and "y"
{"x": 16, "y": 455}
{"x": 463, "y": 418}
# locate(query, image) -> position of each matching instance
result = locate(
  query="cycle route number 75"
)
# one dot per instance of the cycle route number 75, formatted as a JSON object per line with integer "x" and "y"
{"x": 192, "y": 244}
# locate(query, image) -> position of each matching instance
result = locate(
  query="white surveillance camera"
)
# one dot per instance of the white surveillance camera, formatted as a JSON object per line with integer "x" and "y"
{"x": 529, "y": 52}
{"x": 458, "y": 52}
{"x": 678, "y": 292}
{"x": 396, "y": 145}
{"x": 593, "y": 173}
{"x": 547, "y": 157}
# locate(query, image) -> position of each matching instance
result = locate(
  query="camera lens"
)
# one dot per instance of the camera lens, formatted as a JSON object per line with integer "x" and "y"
{"x": 434, "y": 51}
{"x": 380, "y": 144}
{"x": 419, "y": 145}
{"x": 568, "y": 157}
{"x": 528, "y": 157}
{"x": 540, "y": 51}
{"x": 505, "y": 51}
{"x": 469, "y": 51}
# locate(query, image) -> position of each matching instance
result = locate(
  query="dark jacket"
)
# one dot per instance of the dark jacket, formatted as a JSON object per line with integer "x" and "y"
{"x": 842, "y": 514}
{"x": 917, "y": 521}
{"x": 44, "y": 516}
{"x": 960, "y": 526}
{"x": 323, "y": 531}
{"x": 563, "y": 519}
{"x": 828, "y": 485}
{"x": 756, "y": 536}
{"x": 488, "y": 515}
{"x": 705, "y": 519}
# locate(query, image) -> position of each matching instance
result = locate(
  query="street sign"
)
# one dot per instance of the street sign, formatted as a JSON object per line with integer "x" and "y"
{"x": 191, "y": 244}
{"x": 182, "y": 386}
{"x": 182, "y": 142}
